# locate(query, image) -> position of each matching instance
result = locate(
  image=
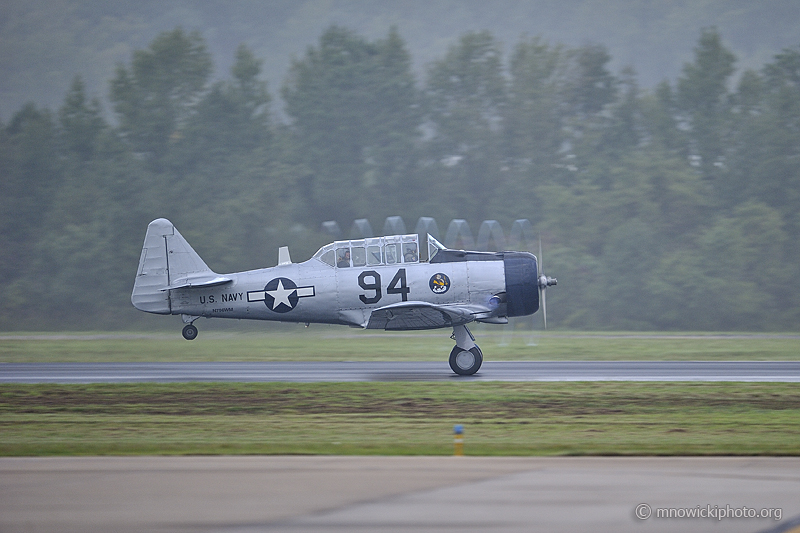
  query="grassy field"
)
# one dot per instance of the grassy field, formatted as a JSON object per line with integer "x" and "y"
{"x": 398, "y": 418}
{"x": 401, "y": 418}
{"x": 330, "y": 343}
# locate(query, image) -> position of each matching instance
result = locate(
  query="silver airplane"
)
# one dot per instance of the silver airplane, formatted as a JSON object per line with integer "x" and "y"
{"x": 375, "y": 283}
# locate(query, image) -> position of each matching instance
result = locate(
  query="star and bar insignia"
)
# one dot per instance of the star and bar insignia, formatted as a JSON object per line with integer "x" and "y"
{"x": 281, "y": 295}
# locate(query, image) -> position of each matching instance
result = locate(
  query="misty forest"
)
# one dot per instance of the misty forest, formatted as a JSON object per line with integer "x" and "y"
{"x": 675, "y": 207}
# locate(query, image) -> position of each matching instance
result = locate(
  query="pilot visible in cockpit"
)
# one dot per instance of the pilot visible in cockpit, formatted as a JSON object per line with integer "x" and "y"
{"x": 343, "y": 259}
{"x": 410, "y": 254}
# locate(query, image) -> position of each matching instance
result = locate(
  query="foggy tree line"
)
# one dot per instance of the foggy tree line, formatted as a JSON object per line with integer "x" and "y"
{"x": 671, "y": 208}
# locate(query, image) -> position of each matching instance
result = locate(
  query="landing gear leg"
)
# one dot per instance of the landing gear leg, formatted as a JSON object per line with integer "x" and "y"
{"x": 466, "y": 358}
{"x": 189, "y": 332}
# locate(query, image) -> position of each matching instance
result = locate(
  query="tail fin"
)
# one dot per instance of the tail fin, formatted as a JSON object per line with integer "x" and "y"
{"x": 168, "y": 262}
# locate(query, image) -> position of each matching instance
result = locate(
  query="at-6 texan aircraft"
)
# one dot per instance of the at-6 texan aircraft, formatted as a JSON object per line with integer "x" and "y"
{"x": 375, "y": 283}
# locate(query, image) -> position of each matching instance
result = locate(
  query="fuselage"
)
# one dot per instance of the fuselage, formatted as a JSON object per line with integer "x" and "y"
{"x": 313, "y": 291}
{"x": 343, "y": 283}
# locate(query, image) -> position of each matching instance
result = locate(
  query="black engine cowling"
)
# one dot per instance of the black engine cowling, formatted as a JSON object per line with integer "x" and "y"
{"x": 522, "y": 284}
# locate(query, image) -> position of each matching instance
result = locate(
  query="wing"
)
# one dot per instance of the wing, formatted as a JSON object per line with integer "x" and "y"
{"x": 423, "y": 315}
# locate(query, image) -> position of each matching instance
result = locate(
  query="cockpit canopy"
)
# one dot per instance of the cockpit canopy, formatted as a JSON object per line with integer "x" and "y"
{"x": 374, "y": 251}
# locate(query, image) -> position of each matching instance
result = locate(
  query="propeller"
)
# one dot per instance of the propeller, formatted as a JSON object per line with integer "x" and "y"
{"x": 544, "y": 282}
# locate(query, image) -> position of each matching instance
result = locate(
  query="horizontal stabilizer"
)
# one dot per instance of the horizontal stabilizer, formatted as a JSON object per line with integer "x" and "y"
{"x": 197, "y": 281}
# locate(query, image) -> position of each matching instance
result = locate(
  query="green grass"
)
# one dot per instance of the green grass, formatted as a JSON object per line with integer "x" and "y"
{"x": 401, "y": 418}
{"x": 398, "y": 418}
{"x": 331, "y": 343}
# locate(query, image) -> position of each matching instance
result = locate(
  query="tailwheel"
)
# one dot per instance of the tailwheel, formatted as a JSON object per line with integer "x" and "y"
{"x": 189, "y": 332}
{"x": 466, "y": 362}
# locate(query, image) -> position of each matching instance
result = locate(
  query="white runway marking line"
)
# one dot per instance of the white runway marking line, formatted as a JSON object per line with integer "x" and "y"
{"x": 306, "y": 371}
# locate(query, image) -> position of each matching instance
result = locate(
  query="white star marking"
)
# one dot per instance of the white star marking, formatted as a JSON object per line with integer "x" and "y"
{"x": 281, "y": 295}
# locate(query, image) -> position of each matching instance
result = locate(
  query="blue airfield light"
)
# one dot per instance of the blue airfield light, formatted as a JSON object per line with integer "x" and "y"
{"x": 458, "y": 440}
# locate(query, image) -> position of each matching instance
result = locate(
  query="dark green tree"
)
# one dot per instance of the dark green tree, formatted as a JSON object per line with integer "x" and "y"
{"x": 464, "y": 99}
{"x": 534, "y": 113}
{"x": 660, "y": 120}
{"x": 773, "y": 150}
{"x": 392, "y": 158}
{"x": 705, "y": 105}
{"x": 230, "y": 121}
{"x": 777, "y": 177}
{"x": 592, "y": 86}
{"x": 81, "y": 122}
{"x": 29, "y": 174}
{"x": 630, "y": 254}
{"x": 156, "y": 95}
{"x": 352, "y": 106}
{"x": 594, "y": 118}
{"x": 625, "y": 130}
{"x": 533, "y": 120}
{"x": 223, "y": 166}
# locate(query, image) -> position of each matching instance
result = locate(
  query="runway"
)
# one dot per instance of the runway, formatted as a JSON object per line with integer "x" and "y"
{"x": 399, "y": 494}
{"x": 760, "y": 371}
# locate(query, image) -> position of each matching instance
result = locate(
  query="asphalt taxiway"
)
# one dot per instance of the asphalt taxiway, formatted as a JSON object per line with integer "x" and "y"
{"x": 398, "y": 494}
{"x": 300, "y": 371}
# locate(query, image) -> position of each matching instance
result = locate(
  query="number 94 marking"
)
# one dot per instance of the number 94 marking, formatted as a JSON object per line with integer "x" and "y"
{"x": 398, "y": 285}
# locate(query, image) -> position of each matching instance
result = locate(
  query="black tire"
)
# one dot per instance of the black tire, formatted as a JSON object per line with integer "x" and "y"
{"x": 189, "y": 332}
{"x": 466, "y": 362}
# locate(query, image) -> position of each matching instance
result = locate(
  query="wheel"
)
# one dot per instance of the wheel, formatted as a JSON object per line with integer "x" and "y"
{"x": 189, "y": 332}
{"x": 466, "y": 362}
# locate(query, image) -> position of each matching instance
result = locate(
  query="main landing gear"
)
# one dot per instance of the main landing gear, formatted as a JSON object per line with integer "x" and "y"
{"x": 466, "y": 358}
{"x": 189, "y": 332}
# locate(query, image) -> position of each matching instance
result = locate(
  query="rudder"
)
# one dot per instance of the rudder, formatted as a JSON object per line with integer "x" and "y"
{"x": 167, "y": 261}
